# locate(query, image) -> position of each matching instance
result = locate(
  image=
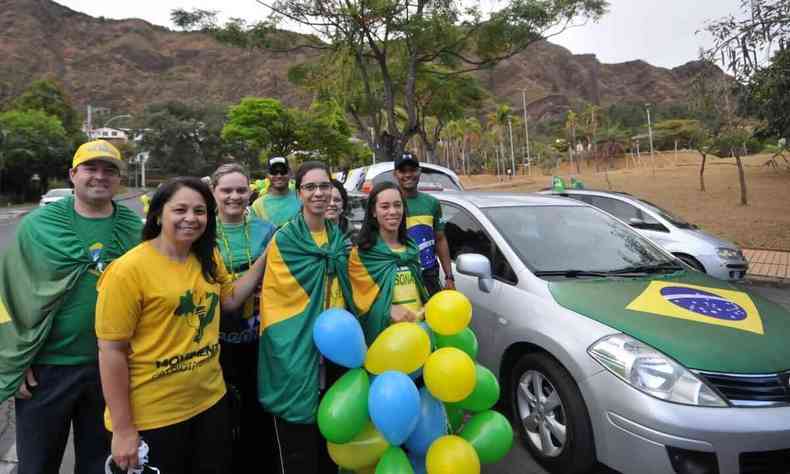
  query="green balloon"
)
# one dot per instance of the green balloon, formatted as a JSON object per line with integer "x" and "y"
{"x": 455, "y": 416}
{"x": 394, "y": 461}
{"x": 490, "y": 434}
{"x": 486, "y": 392}
{"x": 464, "y": 340}
{"x": 343, "y": 411}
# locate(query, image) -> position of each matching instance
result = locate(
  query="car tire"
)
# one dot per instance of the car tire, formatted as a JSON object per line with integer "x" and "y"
{"x": 691, "y": 261}
{"x": 541, "y": 420}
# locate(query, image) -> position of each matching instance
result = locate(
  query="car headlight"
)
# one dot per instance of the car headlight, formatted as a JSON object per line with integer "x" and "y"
{"x": 651, "y": 372}
{"x": 728, "y": 254}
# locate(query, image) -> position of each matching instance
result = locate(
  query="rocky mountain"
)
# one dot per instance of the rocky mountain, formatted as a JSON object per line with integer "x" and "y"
{"x": 126, "y": 64}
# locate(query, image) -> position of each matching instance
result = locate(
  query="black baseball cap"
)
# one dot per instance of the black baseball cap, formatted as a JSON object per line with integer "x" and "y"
{"x": 406, "y": 159}
{"x": 278, "y": 161}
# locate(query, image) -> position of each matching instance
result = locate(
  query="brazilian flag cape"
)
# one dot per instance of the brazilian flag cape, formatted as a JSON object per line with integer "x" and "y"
{"x": 294, "y": 294}
{"x": 372, "y": 273}
{"x": 39, "y": 268}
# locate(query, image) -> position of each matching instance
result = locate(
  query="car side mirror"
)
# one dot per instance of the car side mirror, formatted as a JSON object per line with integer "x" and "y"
{"x": 474, "y": 264}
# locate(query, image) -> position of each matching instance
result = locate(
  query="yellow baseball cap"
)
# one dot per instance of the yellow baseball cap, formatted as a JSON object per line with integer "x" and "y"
{"x": 98, "y": 150}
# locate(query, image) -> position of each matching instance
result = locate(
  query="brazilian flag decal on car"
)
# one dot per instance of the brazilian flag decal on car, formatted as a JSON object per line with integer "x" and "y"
{"x": 701, "y": 304}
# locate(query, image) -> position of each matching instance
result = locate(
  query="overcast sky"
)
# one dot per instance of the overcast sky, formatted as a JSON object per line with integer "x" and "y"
{"x": 661, "y": 32}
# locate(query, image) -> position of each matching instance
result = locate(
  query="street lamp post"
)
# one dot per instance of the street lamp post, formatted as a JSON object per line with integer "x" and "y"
{"x": 526, "y": 127}
{"x": 650, "y": 136}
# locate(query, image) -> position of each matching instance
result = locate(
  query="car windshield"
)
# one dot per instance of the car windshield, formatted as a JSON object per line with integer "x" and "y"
{"x": 677, "y": 221}
{"x": 58, "y": 192}
{"x": 431, "y": 180}
{"x": 572, "y": 239}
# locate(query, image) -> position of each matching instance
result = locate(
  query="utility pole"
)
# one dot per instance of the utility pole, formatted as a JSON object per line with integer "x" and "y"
{"x": 512, "y": 153}
{"x": 526, "y": 128}
{"x": 650, "y": 135}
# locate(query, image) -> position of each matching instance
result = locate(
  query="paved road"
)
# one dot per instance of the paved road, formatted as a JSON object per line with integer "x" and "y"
{"x": 518, "y": 460}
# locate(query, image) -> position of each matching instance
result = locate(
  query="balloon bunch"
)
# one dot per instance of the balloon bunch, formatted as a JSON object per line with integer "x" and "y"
{"x": 377, "y": 421}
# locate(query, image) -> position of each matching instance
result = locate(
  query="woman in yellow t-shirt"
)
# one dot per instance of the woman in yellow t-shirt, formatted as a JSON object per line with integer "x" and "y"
{"x": 384, "y": 266}
{"x": 157, "y": 321}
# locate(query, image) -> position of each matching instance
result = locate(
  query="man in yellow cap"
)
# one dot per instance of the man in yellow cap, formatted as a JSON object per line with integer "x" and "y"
{"x": 48, "y": 349}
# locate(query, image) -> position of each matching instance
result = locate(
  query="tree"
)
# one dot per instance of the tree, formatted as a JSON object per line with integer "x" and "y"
{"x": 668, "y": 132}
{"x": 711, "y": 96}
{"x": 741, "y": 43}
{"x": 184, "y": 138}
{"x": 324, "y": 132}
{"x": 385, "y": 45}
{"x": 571, "y": 121}
{"x": 701, "y": 141}
{"x": 48, "y": 96}
{"x": 33, "y": 143}
{"x": 265, "y": 126}
{"x": 769, "y": 94}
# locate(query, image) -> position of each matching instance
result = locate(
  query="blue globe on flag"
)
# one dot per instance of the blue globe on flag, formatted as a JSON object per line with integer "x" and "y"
{"x": 704, "y": 303}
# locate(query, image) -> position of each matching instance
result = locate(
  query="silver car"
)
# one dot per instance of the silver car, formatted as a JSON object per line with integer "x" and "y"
{"x": 706, "y": 253}
{"x": 610, "y": 350}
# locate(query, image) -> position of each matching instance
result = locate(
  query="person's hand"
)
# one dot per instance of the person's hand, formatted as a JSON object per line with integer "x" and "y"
{"x": 124, "y": 448}
{"x": 449, "y": 284}
{"x": 400, "y": 314}
{"x": 29, "y": 382}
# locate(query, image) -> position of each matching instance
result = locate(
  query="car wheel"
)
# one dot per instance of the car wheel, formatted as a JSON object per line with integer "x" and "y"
{"x": 550, "y": 415}
{"x": 691, "y": 261}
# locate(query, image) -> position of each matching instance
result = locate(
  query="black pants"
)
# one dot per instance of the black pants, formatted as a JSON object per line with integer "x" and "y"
{"x": 252, "y": 431}
{"x": 430, "y": 278}
{"x": 66, "y": 395}
{"x": 199, "y": 445}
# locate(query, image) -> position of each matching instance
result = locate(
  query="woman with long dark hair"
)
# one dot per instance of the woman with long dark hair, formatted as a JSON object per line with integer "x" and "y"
{"x": 241, "y": 238}
{"x": 384, "y": 266}
{"x": 305, "y": 275}
{"x": 157, "y": 321}
{"x": 338, "y": 206}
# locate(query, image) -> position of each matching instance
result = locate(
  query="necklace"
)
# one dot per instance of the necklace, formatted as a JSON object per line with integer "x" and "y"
{"x": 229, "y": 250}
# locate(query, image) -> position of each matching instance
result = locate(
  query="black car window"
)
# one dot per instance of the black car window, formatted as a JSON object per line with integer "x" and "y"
{"x": 466, "y": 235}
{"x": 620, "y": 209}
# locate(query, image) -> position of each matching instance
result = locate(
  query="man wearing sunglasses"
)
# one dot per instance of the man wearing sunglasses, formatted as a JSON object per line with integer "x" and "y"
{"x": 279, "y": 203}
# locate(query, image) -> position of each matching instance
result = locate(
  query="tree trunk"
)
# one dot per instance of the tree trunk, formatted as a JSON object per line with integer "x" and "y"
{"x": 702, "y": 172}
{"x": 742, "y": 178}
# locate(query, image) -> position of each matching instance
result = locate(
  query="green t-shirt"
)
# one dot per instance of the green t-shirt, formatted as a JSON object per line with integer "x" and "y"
{"x": 240, "y": 245}
{"x": 72, "y": 339}
{"x": 277, "y": 209}
{"x": 423, "y": 221}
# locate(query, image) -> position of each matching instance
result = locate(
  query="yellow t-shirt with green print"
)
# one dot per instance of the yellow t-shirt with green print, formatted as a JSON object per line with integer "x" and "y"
{"x": 169, "y": 314}
{"x": 405, "y": 292}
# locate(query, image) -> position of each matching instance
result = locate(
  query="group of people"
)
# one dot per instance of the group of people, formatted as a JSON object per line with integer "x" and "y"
{"x": 193, "y": 331}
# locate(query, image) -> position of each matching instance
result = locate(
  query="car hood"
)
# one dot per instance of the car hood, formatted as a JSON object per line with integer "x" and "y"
{"x": 707, "y": 238}
{"x": 703, "y": 323}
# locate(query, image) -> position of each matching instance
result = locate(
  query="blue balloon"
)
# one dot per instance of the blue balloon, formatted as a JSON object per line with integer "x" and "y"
{"x": 418, "y": 463}
{"x": 394, "y": 406}
{"x": 339, "y": 338}
{"x": 431, "y": 425}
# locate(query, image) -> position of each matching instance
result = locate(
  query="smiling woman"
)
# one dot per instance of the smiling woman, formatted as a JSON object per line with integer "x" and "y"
{"x": 157, "y": 321}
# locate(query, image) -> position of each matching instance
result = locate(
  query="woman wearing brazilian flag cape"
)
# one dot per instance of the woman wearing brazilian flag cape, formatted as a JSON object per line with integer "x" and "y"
{"x": 306, "y": 273}
{"x": 384, "y": 267}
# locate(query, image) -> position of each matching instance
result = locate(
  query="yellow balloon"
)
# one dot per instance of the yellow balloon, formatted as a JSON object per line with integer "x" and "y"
{"x": 450, "y": 374}
{"x": 448, "y": 312}
{"x": 363, "y": 451}
{"x": 403, "y": 347}
{"x": 452, "y": 455}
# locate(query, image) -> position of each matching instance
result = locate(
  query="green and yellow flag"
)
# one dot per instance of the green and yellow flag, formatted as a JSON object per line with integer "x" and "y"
{"x": 38, "y": 269}
{"x": 372, "y": 273}
{"x": 294, "y": 294}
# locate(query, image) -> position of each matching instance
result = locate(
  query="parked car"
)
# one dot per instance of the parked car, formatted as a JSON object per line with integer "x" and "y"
{"x": 55, "y": 195}
{"x": 360, "y": 181}
{"x": 610, "y": 349}
{"x": 705, "y": 252}
{"x": 432, "y": 178}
